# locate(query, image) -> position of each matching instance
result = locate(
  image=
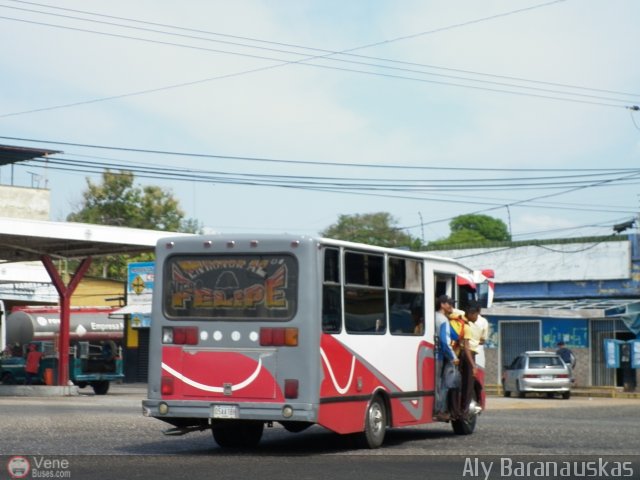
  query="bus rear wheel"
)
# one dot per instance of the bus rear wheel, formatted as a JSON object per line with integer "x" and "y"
{"x": 238, "y": 434}
{"x": 375, "y": 424}
{"x": 467, "y": 423}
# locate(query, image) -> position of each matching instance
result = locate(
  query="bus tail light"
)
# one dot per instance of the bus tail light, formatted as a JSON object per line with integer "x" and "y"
{"x": 278, "y": 337}
{"x": 180, "y": 335}
{"x": 290, "y": 388}
{"x": 166, "y": 386}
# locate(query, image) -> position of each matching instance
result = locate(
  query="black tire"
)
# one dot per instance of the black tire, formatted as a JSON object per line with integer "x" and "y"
{"x": 101, "y": 387}
{"x": 521, "y": 394}
{"x": 566, "y": 395}
{"x": 8, "y": 379}
{"x": 238, "y": 434}
{"x": 467, "y": 424}
{"x": 295, "y": 427}
{"x": 375, "y": 424}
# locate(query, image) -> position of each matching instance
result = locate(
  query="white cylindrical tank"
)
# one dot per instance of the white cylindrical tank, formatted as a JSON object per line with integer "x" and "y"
{"x": 86, "y": 324}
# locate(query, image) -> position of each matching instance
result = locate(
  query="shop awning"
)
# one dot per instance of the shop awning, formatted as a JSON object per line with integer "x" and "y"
{"x": 135, "y": 309}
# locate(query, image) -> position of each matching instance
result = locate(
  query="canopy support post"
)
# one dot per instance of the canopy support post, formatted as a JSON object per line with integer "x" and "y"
{"x": 65, "y": 293}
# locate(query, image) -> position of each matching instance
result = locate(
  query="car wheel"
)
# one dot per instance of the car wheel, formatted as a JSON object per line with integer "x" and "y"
{"x": 521, "y": 394}
{"x": 566, "y": 395}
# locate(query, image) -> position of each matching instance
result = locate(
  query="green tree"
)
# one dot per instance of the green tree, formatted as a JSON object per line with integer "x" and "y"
{"x": 372, "y": 228}
{"x": 116, "y": 201}
{"x": 474, "y": 229}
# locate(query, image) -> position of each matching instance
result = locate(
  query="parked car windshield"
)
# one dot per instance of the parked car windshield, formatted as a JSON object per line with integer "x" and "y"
{"x": 545, "y": 362}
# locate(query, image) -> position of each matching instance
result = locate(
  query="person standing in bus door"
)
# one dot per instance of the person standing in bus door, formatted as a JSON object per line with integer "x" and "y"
{"x": 475, "y": 339}
{"x": 32, "y": 364}
{"x": 449, "y": 379}
{"x": 444, "y": 306}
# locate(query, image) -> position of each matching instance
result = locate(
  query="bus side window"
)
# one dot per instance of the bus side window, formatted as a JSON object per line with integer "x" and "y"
{"x": 331, "y": 302}
{"x": 364, "y": 293}
{"x": 331, "y": 309}
{"x": 406, "y": 297}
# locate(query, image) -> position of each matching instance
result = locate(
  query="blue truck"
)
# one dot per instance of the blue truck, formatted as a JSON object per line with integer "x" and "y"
{"x": 95, "y": 355}
{"x": 90, "y": 364}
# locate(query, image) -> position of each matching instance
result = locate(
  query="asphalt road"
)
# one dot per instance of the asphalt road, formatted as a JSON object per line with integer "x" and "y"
{"x": 109, "y": 434}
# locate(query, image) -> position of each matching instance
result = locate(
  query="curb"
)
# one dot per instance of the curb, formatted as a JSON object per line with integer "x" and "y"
{"x": 38, "y": 391}
{"x": 596, "y": 392}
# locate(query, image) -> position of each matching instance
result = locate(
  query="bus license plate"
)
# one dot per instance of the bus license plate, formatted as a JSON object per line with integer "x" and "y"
{"x": 225, "y": 411}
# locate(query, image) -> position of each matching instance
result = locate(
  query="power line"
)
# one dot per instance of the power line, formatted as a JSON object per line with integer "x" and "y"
{"x": 154, "y": 166}
{"x": 303, "y": 185}
{"x": 452, "y": 184}
{"x": 344, "y": 53}
{"x": 307, "y": 162}
{"x": 521, "y": 202}
{"x": 326, "y": 54}
{"x": 304, "y": 61}
{"x": 603, "y": 224}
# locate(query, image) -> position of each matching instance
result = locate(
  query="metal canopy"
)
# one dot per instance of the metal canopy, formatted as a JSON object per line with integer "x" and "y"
{"x": 26, "y": 240}
{"x": 10, "y": 154}
{"x": 569, "y": 308}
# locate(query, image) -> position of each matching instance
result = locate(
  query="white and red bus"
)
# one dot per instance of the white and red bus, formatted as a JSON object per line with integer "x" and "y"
{"x": 252, "y": 330}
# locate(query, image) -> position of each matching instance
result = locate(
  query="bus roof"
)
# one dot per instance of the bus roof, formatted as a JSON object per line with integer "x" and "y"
{"x": 286, "y": 237}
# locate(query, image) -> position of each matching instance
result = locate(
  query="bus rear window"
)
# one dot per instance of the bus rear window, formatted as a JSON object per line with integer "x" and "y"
{"x": 231, "y": 287}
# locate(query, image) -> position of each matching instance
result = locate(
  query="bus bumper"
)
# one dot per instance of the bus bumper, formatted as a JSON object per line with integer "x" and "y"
{"x": 272, "y": 412}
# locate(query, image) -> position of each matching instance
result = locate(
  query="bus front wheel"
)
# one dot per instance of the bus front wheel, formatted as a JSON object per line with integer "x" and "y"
{"x": 238, "y": 434}
{"x": 375, "y": 424}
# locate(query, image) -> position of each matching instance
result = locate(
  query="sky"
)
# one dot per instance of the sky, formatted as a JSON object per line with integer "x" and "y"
{"x": 424, "y": 109}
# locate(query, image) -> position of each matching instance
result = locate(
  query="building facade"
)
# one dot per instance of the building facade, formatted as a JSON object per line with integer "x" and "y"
{"x": 579, "y": 291}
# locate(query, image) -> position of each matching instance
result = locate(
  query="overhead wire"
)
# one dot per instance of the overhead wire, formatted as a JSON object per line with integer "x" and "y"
{"x": 309, "y": 162}
{"x": 286, "y": 182}
{"x": 329, "y": 55}
{"x": 521, "y": 202}
{"x": 450, "y": 184}
{"x": 345, "y": 53}
{"x": 515, "y": 204}
{"x": 305, "y": 62}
